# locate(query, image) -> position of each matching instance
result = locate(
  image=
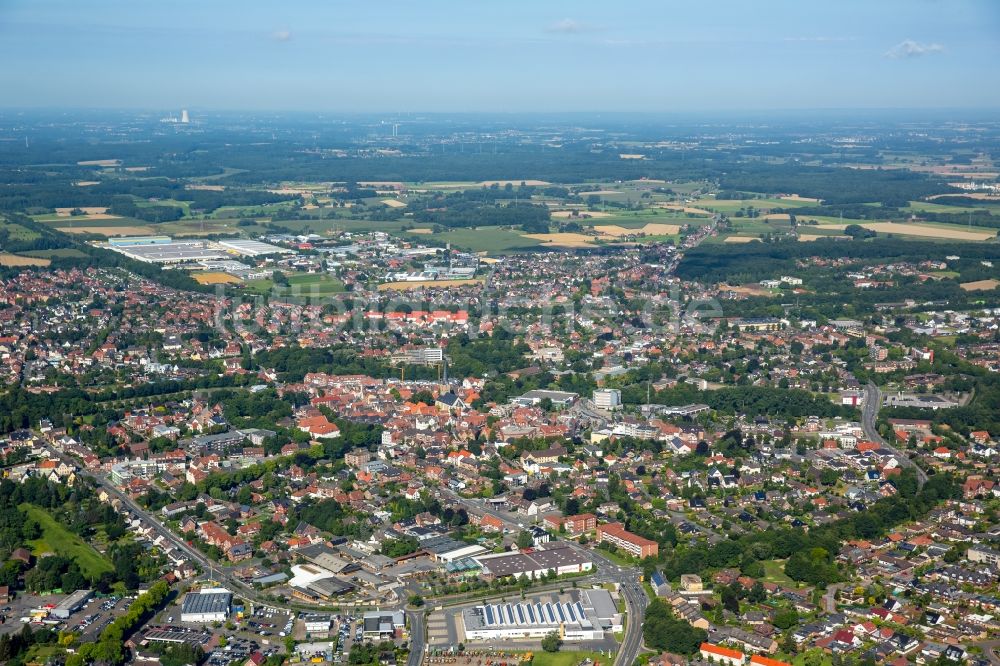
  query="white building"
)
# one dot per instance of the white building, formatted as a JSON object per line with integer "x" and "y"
{"x": 209, "y": 605}
{"x": 607, "y": 398}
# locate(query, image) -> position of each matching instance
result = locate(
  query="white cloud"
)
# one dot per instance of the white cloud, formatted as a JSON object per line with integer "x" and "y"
{"x": 909, "y": 48}
{"x": 567, "y": 26}
{"x": 281, "y": 35}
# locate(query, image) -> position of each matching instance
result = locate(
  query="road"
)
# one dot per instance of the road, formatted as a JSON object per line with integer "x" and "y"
{"x": 418, "y": 641}
{"x": 193, "y": 553}
{"x": 869, "y": 413}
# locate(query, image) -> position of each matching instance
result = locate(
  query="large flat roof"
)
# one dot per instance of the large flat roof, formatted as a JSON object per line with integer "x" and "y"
{"x": 536, "y": 560}
{"x": 206, "y": 602}
{"x": 252, "y": 248}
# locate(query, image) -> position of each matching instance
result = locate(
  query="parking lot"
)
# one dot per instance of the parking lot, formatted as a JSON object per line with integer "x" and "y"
{"x": 89, "y": 620}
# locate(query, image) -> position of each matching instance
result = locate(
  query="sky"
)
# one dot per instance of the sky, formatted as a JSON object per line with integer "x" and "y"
{"x": 500, "y": 55}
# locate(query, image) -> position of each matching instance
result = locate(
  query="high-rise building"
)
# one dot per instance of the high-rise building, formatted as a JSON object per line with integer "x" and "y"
{"x": 607, "y": 398}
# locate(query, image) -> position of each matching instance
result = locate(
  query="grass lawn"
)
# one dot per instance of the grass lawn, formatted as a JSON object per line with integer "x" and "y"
{"x": 774, "y": 572}
{"x": 57, "y": 539}
{"x": 568, "y": 658}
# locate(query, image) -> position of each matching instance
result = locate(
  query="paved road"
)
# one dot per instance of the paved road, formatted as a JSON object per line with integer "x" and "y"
{"x": 193, "y": 553}
{"x": 418, "y": 639}
{"x": 873, "y": 401}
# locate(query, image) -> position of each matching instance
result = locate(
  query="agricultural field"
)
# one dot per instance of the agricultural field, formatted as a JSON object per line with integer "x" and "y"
{"x": 733, "y": 205}
{"x": 63, "y": 253}
{"x": 105, "y": 230}
{"x": 57, "y": 539}
{"x": 650, "y": 229}
{"x": 980, "y": 285}
{"x": 484, "y": 239}
{"x": 925, "y": 230}
{"x": 215, "y": 278}
{"x": 564, "y": 239}
{"x": 16, "y": 232}
{"x": 421, "y": 284}
{"x": 8, "y": 259}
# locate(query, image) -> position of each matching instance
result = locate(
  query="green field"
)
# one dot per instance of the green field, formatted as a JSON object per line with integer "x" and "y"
{"x": 318, "y": 282}
{"x": 57, "y": 539}
{"x": 481, "y": 239}
{"x": 934, "y": 207}
{"x": 66, "y": 252}
{"x": 774, "y": 572}
{"x": 733, "y": 205}
{"x": 16, "y": 232}
{"x": 304, "y": 285}
{"x": 568, "y": 658}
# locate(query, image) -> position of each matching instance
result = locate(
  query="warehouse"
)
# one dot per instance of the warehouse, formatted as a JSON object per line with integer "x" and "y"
{"x": 209, "y": 605}
{"x": 173, "y": 252}
{"x": 252, "y": 248}
{"x": 72, "y": 604}
{"x": 559, "y": 557}
{"x": 586, "y": 618}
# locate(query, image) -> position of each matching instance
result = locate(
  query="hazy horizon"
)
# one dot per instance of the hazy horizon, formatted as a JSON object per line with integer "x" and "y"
{"x": 513, "y": 57}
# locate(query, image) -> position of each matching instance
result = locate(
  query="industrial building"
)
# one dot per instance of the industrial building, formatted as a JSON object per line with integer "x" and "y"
{"x": 586, "y": 618}
{"x": 208, "y": 605}
{"x": 559, "y": 557}
{"x": 252, "y": 248}
{"x": 377, "y": 624}
{"x": 558, "y": 398}
{"x": 161, "y": 250}
{"x": 72, "y": 604}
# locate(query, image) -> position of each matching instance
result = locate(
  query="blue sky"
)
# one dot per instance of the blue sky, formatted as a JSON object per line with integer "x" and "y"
{"x": 500, "y": 55}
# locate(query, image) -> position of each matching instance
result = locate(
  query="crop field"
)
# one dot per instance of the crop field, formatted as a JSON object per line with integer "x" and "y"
{"x": 64, "y": 252}
{"x": 733, "y": 205}
{"x": 421, "y": 284}
{"x": 580, "y": 215}
{"x": 57, "y": 539}
{"x": 740, "y": 239}
{"x": 105, "y": 230}
{"x": 943, "y": 231}
{"x": 563, "y": 239}
{"x": 980, "y": 285}
{"x": 486, "y": 239}
{"x": 805, "y": 238}
{"x": 8, "y": 259}
{"x": 650, "y": 228}
{"x": 215, "y": 278}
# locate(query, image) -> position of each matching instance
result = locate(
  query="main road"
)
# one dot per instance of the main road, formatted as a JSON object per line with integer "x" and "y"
{"x": 869, "y": 412}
